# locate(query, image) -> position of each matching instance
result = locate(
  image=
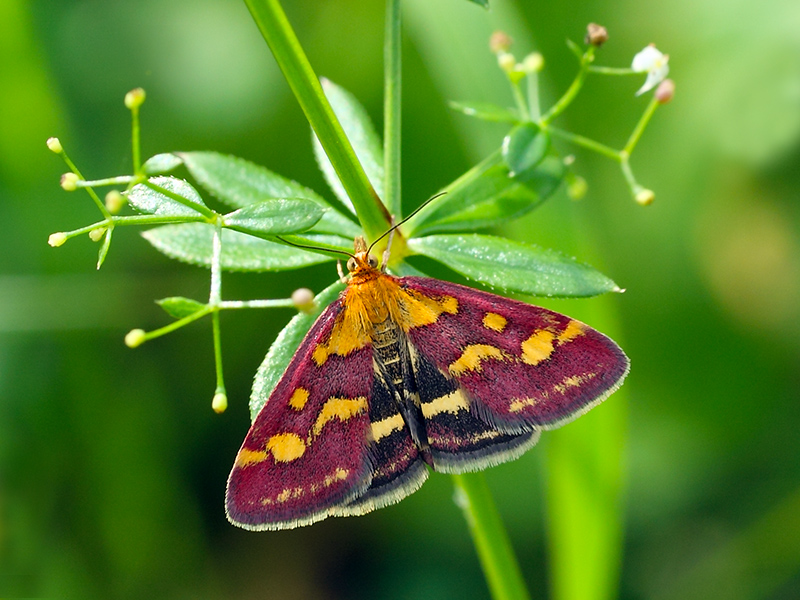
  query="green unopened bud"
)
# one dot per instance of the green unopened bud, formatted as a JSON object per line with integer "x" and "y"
{"x": 54, "y": 145}
{"x": 303, "y": 299}
{"x": 499, "y": 42}
{"x": 577, "y": 188}
{"x": 69, "y": 182}
{"x": 135, "y": 98}
{"x": 596, "y": 35}
{"x": 533, "y": 63}
{"x": 665, "y": 91}
{"x": 220, "y": 402}
{"x": 506, "y": 61}
{"x": 134, "y": 338}
{"x": 114, "y": 202}
{"x": 645, "y": 197}
{"x": 57, "y": 239}
{"x": 97, "y": 234}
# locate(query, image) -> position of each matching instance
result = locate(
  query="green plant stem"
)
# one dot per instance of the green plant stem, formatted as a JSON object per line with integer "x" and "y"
{"x": 588, "y": 143}
{"x": 134, "y": 220}
{"x": 573, "y": 89}
{"x": 137, "y": 161}
{"x": 519, "y": 100}
{"x": 89, "y": 190}
{"x": 641, "y": 125}
{"x": 119, "y": 180}
{"x": 178, "y": 324}
{"x": 278, "y": 33}
{"x": 613, "y": 70}
{"x": 533, "y": 97}
{"x": 392, "y": 108}
{"x": 496, "y": 555}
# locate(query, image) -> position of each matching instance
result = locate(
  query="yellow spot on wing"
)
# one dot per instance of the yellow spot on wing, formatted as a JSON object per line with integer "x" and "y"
{"x": 452, "y": 403}
{"x": 247, "y": 457}
{"x": 286, "y": 447}
{"x": 339, "y": 408}
{"x": 494, "y": 321}
{"x": 384, "y": 427}
{"x": 471, "y": 357}
{"x": 299, "y": 398}
{"x": 538, "y": 347}
{"x": 573, "y": 381}
{"x": 573, "y": 330}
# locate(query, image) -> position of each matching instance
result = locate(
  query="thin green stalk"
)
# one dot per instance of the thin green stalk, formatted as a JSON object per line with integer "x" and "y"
{"x": 133, "y": 220}
{"x": 281, "y": 38}
{"x": 588, "y": 143}
{"x": 613, "y": 70}
{"x": 137, "y": 160}
{"x": 573, "y": 89}
{"x": 489, "y": 535}
{"x": 519, "y": 100}
{"x": 92, "y": 194}
{"x": 533, "y": 97}
{"x": 392, "y": 108}
{"x": 641, "y": 125}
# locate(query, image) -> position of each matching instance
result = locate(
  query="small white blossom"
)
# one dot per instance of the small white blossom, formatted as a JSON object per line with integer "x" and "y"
{"x": 653, "y": 62}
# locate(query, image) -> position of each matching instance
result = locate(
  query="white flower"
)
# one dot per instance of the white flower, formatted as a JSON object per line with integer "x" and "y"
{"x": 653, "y": 62}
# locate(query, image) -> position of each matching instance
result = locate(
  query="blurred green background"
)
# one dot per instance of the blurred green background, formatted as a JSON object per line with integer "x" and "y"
{"x": 112, "y": 464}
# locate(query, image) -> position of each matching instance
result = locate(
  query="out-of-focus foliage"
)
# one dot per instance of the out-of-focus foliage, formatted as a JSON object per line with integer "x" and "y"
{"x": 112, "y": 464}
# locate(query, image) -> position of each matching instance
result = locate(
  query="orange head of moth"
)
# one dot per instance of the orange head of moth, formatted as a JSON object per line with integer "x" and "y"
{"x": 362, "y": 265}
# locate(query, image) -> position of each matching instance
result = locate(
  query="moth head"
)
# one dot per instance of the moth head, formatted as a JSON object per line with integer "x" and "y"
{"x": 362, "y": 260}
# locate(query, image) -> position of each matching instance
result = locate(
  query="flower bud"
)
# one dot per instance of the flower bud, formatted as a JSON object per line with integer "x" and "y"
{"x": 220, "y": 402}
{"x": 499, "y": 42}
{"x": 114, "y": 201}
{"x": 303, "y": 299}
{"x": 97, "y": 234}
{"x": 134, "y": 338}
{"x": 54, "y": 145}
{"x": 506, "y": 61}
{"x": 596, "y": 35}
{"x": 69, "y": 182}
{"x": 533, "y": 63}
{"x": 665, "y": 91}
{"x": 135, "y": 98}
{"x": 577, "y": 188}
{"x": 645, "y": 197}
{"x": 57, "y": 239}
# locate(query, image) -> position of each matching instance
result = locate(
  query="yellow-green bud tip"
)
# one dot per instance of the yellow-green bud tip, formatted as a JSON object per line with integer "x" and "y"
{"x": 135, "y": 337}
{"x": 665, "y": 91}
{"x": 596, "y": 35}
{"x": 54, "y": 145}
{"x": 97, "y": 234}
{"x": 220, "y": 402}
{"x": 577, "y": 188}
{"x": 135, "y": 98}
{"x": 499, "y": 42}
{"x": 506, "y": 61}
{"x": 114, "y": 201}
{"x": 69, "y": 182}
{"x": 303, "y": 299}
{"x": 57, "y": 239}
{"x": 645, "y": 197}
{"x": 533, "y": 63}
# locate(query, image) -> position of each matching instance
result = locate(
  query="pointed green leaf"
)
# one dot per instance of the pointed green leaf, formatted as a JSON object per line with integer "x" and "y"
{"x": 483, "y": 3}
{"x": 486, "y": 196}
{"x": 179, "y": 307}
{"x": 284, "y": 348}
{"x": 362, "y": 135}
{"x": 513, "y": 266}
{"x": 103, "y": 252}
{"x": 276, "y": 216}
{"x": 191, "y": 242}
{"x": 487, "y": 111}
{"x": 238, "y": 183}
{"x": 161, "y": 163}
{"x": 153, "y": 202}
{"x": 525, "y": 147}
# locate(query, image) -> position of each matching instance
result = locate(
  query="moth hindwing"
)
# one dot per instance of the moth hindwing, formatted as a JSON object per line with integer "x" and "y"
{"x": 402, "y": 375}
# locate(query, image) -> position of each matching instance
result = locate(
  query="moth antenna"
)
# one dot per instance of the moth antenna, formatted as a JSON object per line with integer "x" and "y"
{"x": 391, "y": 229}
{"x": 309, "y": 247}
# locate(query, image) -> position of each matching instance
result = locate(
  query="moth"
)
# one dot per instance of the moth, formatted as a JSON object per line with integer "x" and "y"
{"x": 403, "y": 375}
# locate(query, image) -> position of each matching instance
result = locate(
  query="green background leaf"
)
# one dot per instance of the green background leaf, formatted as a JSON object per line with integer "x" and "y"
{"x": 277, "y": 216}
{"x": 513, "y": 266}
{"x": 525, "y": 147}
{"x": 179, "y": 307}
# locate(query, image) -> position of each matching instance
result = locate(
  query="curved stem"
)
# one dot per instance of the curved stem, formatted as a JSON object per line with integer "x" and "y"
{"x": 392, "y": 113}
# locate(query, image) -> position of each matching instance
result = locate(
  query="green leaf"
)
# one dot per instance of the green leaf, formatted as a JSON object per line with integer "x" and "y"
{"x": 486, "y": 196}
{"x": 150, "y": 201}
{"x": 362, "y": 135}
{"x": 483, "y": 3}
{"x": 180, "y": 307}
{"x": 161, "y": 163}
{"x": 525, "y": 147}
{"x": 276, "y": 216}
{"x": 191, "y": 243}
{"x": 238, "y": 183}
{"x": 487, "y": 111}
{"x": 513, "y": 266}
{"x": 284, "y": 348}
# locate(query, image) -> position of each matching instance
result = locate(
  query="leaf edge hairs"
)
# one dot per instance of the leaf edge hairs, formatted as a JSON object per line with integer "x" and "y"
{"x": 402, "y": 374}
